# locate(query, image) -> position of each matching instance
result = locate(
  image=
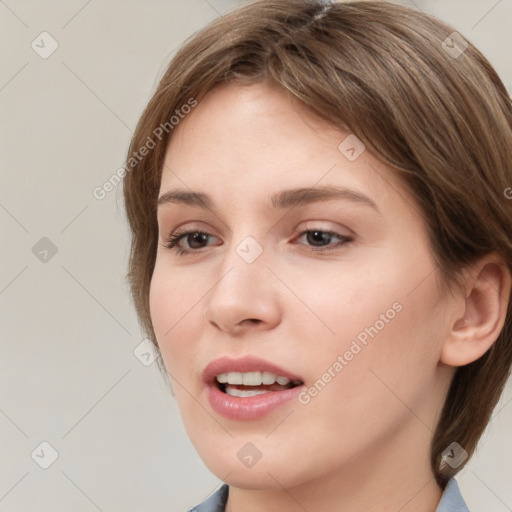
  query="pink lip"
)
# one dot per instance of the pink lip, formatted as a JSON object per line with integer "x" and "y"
{"x": 246, "y": 408}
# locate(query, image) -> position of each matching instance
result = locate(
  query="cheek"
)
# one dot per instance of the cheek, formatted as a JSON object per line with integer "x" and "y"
{"x": 176, "y": 314}
{"x": 389, "y": 340}
{"x": 385, "y": 319}
{"x": 338, "y": 307}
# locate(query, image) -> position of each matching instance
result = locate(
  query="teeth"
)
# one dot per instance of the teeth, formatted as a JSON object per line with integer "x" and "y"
{"x": 252, "y": 379}
{"x": 242, "y": 393}
{"x": 235, "y": 378}
{"x": 222, "y": 378}
{"x": 268, "y": 378}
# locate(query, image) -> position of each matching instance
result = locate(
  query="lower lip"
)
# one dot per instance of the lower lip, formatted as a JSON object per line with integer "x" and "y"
{"x": 251, "y": 407}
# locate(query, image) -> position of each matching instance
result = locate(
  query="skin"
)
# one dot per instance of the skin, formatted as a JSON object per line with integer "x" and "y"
{"x": 363, "y": 442}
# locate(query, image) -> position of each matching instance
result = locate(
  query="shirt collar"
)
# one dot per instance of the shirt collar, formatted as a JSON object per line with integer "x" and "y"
{"x": 451, "y": 500}
{"x": 215, "y": 503}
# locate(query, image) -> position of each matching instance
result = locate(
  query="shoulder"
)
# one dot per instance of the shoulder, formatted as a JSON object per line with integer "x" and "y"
{"x": 215, "y": 503}
{"x": 451, "y": 500}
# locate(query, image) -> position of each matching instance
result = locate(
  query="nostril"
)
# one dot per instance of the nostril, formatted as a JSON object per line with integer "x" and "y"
{"x": 250, "y": 320}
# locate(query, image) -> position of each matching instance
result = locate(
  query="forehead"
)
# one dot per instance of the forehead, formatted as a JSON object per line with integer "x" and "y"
{"x": 249, "y": 141}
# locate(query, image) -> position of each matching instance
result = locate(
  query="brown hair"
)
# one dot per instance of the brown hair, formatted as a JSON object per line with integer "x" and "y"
{"x": 389, "y": 75}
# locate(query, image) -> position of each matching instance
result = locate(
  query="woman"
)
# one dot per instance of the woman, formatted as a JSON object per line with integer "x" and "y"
{"x": 322, "y": 253}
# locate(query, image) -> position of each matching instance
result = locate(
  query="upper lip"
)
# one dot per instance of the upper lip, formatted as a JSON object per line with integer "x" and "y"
{"x": 244, "y": 364}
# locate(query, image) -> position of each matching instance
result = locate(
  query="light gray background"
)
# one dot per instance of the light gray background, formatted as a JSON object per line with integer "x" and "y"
{"x": 68, "y": 374}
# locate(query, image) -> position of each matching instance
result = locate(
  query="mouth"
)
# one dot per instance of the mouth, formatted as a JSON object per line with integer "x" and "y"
{"x": 248, "y": 384}
{"x": 248, "y": 388}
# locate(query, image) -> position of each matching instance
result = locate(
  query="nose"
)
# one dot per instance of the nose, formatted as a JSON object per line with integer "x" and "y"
{"x": 245, "y": 296}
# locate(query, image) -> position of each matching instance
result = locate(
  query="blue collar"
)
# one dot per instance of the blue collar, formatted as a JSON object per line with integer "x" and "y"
{"x": 451, "y": 500}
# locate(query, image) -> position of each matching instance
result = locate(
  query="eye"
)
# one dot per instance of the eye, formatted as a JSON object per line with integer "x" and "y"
{"x": 195, "y": 240}
{"x": 321, "y": 239}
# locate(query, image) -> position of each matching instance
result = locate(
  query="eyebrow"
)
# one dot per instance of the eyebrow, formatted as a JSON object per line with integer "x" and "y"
{"x": 283, "y": 199}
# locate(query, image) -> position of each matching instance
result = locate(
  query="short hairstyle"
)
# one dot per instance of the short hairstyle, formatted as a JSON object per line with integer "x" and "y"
{"x": 421, "y": 101}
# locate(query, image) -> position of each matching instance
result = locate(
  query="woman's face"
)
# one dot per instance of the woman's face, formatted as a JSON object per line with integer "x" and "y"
{"x": 311, "y": 281}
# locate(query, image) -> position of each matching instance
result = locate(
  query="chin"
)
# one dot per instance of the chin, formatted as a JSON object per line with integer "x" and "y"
{"x": 231, "y": 463}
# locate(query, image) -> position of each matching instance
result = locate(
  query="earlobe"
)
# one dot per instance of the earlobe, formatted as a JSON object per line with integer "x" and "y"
{"x": 484, "y": 306}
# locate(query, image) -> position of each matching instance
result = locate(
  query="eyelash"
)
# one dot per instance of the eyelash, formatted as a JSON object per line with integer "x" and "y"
{"x": 173, "y": 239}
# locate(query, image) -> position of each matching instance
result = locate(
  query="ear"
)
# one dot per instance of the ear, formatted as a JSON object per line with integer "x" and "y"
{"x": 481, "y": 312}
